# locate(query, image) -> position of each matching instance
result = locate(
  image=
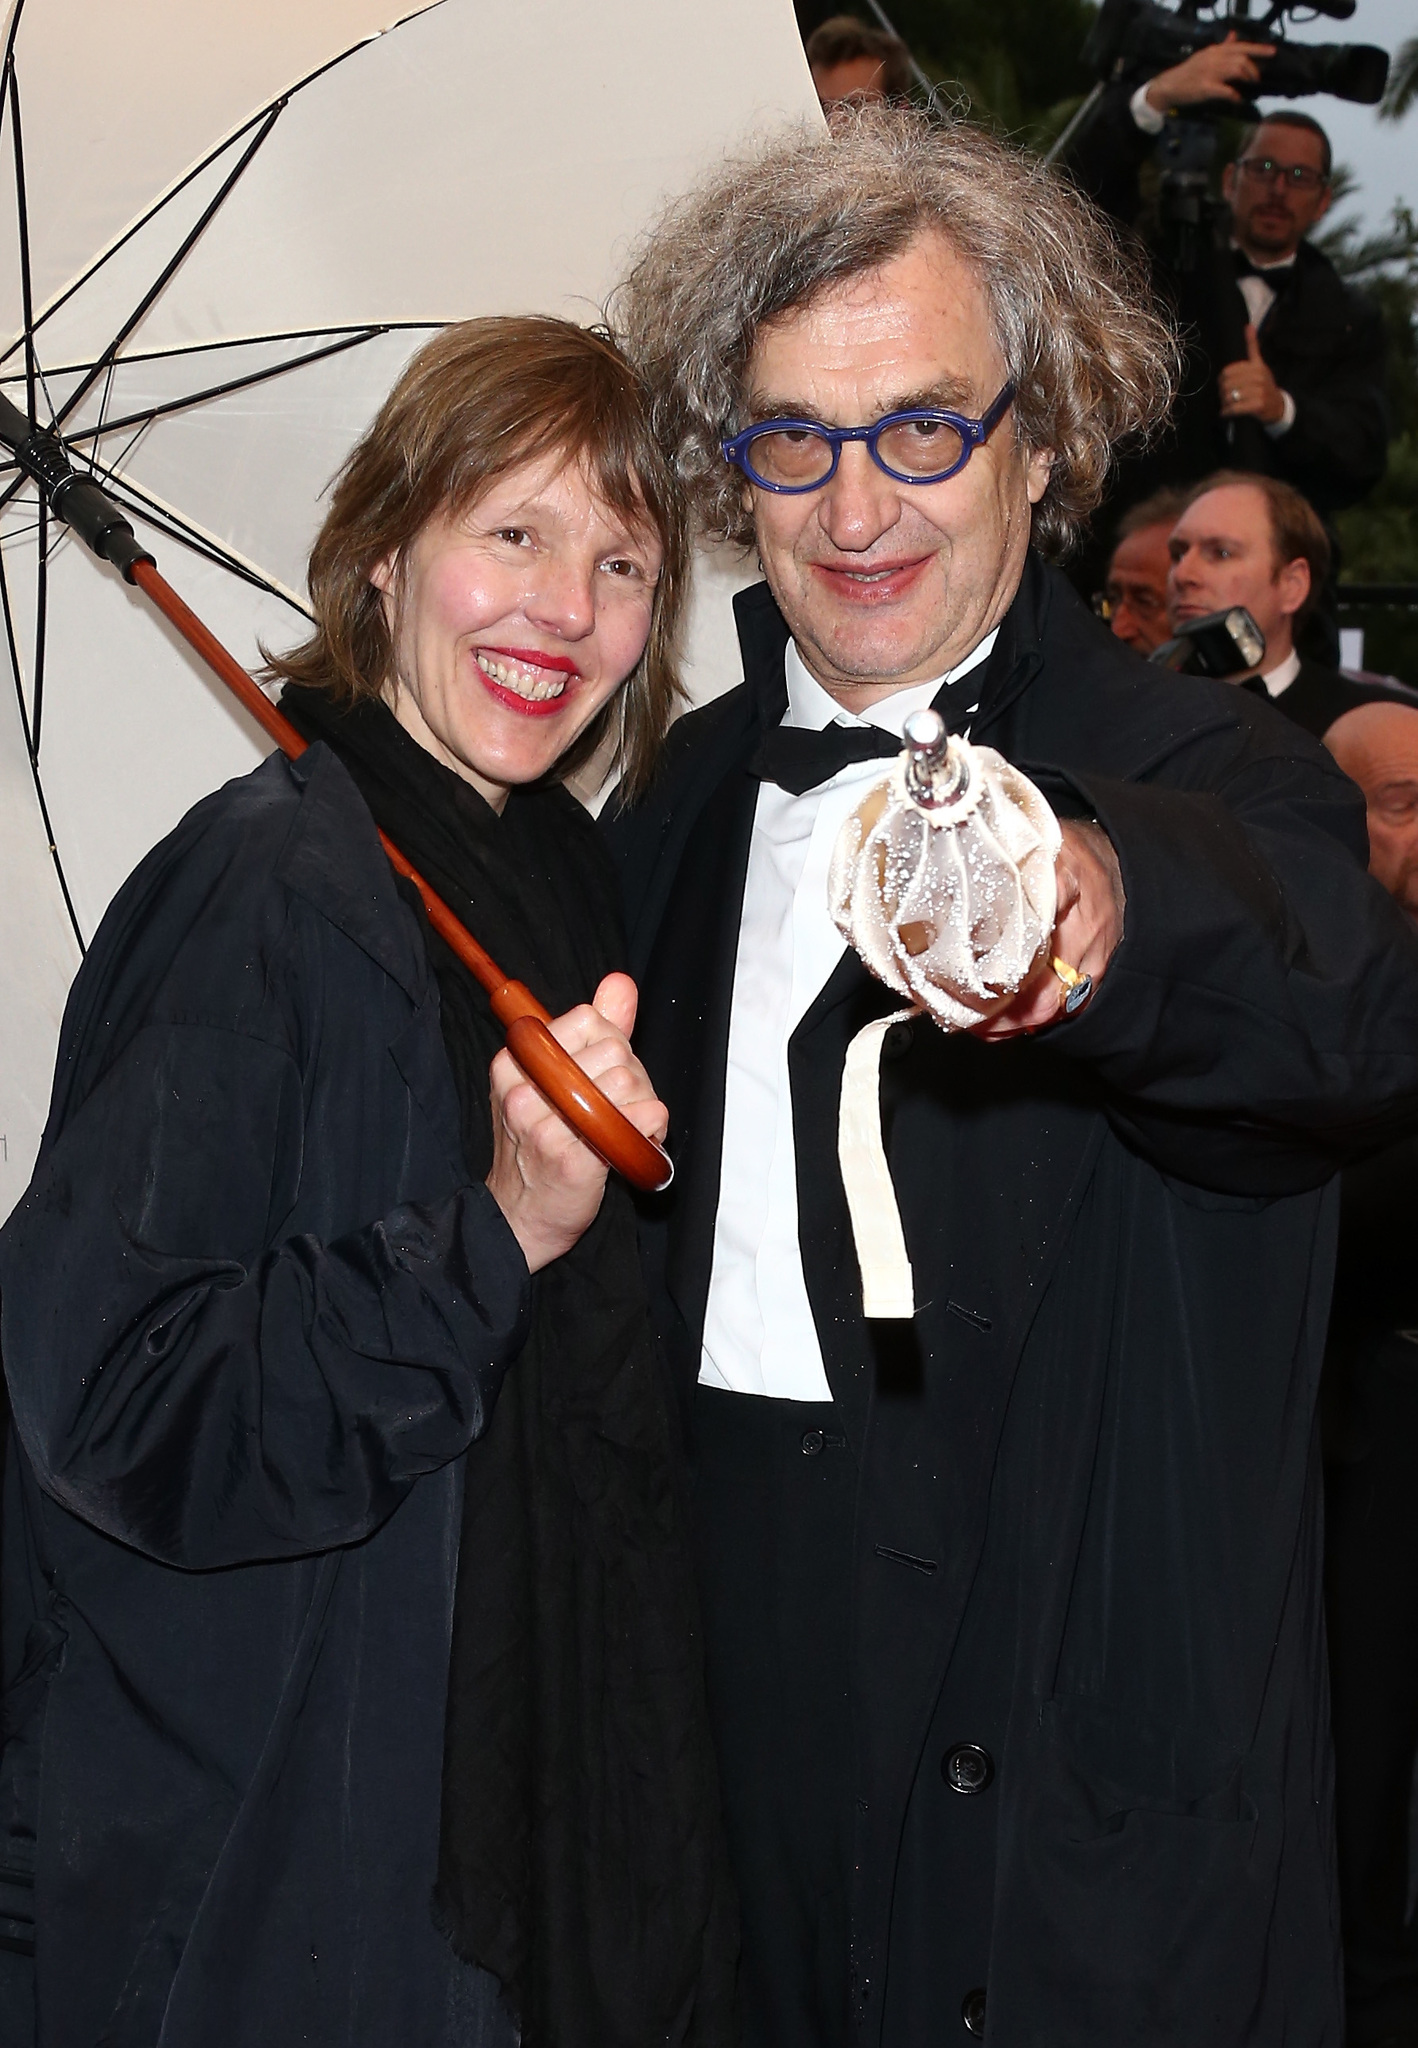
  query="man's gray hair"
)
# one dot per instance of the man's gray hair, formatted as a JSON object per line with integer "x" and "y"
{"x": 1092, "y": 361}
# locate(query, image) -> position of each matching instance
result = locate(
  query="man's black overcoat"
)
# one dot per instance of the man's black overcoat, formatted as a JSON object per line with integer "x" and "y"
{"x": 1087, "y": 1527}
{"x": 232, "y": 1529}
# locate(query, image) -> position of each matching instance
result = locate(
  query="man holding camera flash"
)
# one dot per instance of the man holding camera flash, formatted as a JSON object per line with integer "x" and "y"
{"x": 1253, "y": 541}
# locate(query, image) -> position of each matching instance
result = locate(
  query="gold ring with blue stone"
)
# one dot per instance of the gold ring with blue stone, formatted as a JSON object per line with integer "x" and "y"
{"x": 1077, "y": 987}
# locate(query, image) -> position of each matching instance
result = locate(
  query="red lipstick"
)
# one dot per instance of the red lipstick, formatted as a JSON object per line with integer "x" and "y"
{"x": 532, "y": 657}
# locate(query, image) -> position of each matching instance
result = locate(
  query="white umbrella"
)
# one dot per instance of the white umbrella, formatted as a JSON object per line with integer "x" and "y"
{"x": 222, "y": 233}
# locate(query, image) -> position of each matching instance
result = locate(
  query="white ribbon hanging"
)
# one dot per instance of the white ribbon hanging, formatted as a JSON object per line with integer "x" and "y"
{"x": 951, "y": 905}
{"x": 888, "y": 1286}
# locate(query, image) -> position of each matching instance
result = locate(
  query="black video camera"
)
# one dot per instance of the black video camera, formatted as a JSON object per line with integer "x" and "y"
{"x": 1132, "y": 40}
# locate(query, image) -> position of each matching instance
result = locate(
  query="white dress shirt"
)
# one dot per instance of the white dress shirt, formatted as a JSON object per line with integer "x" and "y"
{"x": 759, "y": 1335}
{"x": 1278, "y": 679}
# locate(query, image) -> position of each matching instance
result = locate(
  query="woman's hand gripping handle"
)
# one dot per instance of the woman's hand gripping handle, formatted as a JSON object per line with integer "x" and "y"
{"x": 546, "y": 1180}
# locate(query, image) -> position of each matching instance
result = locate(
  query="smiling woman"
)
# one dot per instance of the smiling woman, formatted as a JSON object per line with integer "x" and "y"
{"x": 325, "y": 1225}
{"x": 510, "y": 514}
{"x": 515, "y": 624}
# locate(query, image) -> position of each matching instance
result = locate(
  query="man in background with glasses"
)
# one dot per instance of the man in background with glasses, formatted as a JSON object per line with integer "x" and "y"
{"x": 1312, "y": 372}
{"x": 1291, "y": 377}
{"x": 1010, "y": 1610}
{"x": 1133, "y": 599}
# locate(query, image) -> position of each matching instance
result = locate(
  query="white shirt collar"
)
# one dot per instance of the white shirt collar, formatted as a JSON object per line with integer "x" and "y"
{"x": 1277, "y": 680}
{"x": 811, "y": 707}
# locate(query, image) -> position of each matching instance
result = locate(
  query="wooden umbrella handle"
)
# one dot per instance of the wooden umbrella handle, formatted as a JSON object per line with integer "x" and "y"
{"x": 550, "y": 1068}
{"x": 581, "y": 1104}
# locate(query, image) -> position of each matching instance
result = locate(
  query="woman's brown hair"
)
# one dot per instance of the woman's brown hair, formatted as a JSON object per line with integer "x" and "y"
{"x": 479, "y": 400}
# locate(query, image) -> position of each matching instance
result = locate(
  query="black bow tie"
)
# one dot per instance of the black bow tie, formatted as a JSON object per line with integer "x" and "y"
{"x": 1276, "y": 275}
{"x": 798, "y": 759}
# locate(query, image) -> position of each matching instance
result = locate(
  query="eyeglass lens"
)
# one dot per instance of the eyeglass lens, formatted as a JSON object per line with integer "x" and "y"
{"x": 912, "y": 447}
{"x": 920, "y": 447}
{"x": 1302, "y": 176}
{"x": 790, "y": 455}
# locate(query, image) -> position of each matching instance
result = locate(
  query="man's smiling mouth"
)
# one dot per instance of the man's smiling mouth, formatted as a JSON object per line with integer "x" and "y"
{"x": 874, "y": 577}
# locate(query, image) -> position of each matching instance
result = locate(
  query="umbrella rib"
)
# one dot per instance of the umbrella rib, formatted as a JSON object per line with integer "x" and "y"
{"x": 188, "y": 243}
{"x": 41, "y": 608}
{"x": 141, "y": 222}
{"x": 107, "y": 397}
{"x": 18, "y": 477}
{"x": 172, "y": 405}
{"x": 14, "y": 647}
{"x": 180, "y": 350}
{"x": 132, "y": 498}
{"x": 14, "y": 31}
{"x": 22, "y": 222}
{"x": 33, "y": 759}
{"x": 266, "y": 114}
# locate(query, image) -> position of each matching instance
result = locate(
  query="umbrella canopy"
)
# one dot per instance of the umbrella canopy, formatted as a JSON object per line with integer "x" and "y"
{"x": 222, "y": 233}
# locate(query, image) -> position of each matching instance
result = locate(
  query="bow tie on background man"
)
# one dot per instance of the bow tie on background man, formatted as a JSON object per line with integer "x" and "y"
{"x": 1276, "y": 275}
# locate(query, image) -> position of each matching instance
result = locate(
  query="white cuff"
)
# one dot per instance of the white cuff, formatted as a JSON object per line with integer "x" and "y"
{"x": 1144, "y": 113}
{"x": 1275, "y": 428}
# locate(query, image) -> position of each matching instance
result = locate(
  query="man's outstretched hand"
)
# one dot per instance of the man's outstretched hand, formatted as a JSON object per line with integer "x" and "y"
{"x": 546, "y": 1182}
{"x": 1087, "y": 928}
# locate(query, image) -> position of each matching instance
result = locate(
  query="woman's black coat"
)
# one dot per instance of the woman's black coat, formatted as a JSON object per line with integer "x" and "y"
{"x": 1087, "y": 1531}
{"x": 234, "y": 1531}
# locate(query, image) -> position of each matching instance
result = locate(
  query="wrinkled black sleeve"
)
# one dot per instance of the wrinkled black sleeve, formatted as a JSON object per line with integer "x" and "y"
{"x": 205, "y": 1394}
{"x": 1258, "y": 1023}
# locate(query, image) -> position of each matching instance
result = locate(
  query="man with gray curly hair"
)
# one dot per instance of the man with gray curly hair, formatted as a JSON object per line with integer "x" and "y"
{"x": 1012, "y": 1610}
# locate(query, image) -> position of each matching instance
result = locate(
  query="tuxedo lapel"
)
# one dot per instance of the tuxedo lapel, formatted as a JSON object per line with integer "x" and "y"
{"x": 850, "y": 999}
{"x": 690, "y": 980}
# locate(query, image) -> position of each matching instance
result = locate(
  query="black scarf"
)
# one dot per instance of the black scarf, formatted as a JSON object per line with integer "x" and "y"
{"x": 581, "y": 1859}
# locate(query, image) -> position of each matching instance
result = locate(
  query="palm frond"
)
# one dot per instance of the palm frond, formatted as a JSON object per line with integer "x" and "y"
{"x": 1402, "y": 85}
{"x": 1357, "y": 256}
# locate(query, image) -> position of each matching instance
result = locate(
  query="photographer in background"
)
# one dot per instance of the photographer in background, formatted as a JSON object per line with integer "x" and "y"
{"x": 1287, "y": 371}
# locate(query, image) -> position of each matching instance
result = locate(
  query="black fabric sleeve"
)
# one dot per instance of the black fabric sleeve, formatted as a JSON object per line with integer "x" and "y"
{"x": 205, "y": 1394}
{"x": 1258, "y": 1023}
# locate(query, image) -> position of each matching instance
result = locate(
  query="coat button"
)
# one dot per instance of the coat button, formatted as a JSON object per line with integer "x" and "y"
{"x": 813, "y": 1441}
{"x": 972, "y": 2010}
{"x": 897, "y": 1041}
{"x": 968, "y": 1769}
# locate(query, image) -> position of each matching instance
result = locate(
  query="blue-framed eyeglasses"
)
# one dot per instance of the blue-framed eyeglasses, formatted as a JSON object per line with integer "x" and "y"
{"x": 920, "y": 446}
